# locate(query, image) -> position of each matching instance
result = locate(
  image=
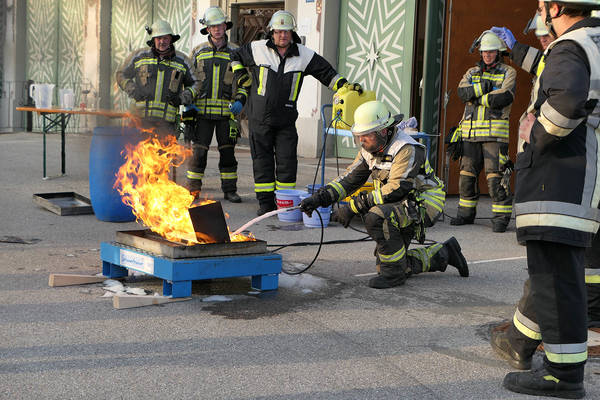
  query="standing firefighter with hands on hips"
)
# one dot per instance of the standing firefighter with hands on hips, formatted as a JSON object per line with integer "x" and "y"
{"x": 488, "y": 92}
{"x": 278, "y": 66}
{"x": 407, "y": 198}
{"x": 556, "y": 204}
{"x": 220, "y": 99}
{"x": 159, "y": 79}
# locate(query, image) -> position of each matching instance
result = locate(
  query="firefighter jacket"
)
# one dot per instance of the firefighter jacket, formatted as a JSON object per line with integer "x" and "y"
{"x": 529, "y": 58}
{"x": 400, "y": 170}
{"x": 558, "y": 187}
{"x": 277, "y": 80}
{"x": 155, "y": 83}
{"x": 488, "y": 94}
{"x": 217, "y": 88}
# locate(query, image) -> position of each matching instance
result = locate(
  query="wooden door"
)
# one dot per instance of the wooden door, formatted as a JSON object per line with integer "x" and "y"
{"x": 465, "y": 20}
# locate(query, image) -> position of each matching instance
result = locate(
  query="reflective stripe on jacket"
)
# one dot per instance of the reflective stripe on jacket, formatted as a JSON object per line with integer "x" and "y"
{"x": 277, "y": 80}
{"x": 402, "y": 168}
{"x": 558, "y": 188}
{"x": 157, "y": 80}
{"x": 486, "y": 111}
{"x": 217, "y": 87}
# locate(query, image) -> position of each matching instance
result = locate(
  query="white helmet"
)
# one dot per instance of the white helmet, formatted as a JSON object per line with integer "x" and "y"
{"x": 214, "y": 16}
{"x": 489, "y": 41}
{"x": 588, "y": 4}
{"x": 160, "y": 28}
{"x": 373, "y": 116}
{"x": 282, "y": 21}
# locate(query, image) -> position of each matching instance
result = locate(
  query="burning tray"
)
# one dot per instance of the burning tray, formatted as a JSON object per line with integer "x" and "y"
{"x": 149, "y": 241}
{"x": 64, "y": 203}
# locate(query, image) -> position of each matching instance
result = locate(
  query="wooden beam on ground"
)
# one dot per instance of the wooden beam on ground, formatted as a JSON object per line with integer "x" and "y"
{"x": 130, "y": 301}
{"x": 74, "y": 279}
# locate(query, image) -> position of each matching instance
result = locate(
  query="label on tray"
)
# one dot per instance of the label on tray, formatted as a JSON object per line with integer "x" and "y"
{"x": 139, "y": 262}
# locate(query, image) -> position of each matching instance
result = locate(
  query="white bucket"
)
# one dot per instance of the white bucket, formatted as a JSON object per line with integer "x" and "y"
{"x": 42, "y": 94}
{"x": 289, "y": 198}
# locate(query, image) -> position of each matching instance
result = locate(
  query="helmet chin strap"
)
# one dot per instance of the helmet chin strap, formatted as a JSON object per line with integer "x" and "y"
{"x": 549, "y": 19}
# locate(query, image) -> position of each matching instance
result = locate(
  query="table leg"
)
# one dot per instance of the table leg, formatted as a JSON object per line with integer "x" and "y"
{"x": 44, "y": 140}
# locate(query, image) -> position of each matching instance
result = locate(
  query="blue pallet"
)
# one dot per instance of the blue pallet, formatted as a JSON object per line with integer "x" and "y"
{"x": 178, "y": 274}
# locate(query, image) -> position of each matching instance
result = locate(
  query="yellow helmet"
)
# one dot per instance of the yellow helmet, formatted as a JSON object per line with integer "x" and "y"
{"x": 282, "y": 21}
{"x": 160, "y": 28}
{"x": 214, "y": 16}
{"x": 373, "y": 116}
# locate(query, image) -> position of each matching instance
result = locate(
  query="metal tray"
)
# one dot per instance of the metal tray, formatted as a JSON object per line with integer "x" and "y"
{"x": 149, "y": 241}
{"x": 64, "y": 203}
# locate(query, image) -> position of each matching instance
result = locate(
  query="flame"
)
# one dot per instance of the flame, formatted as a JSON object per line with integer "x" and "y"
{"x": 159, "y": 203}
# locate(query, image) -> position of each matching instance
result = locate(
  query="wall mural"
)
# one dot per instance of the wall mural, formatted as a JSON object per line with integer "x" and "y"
{"x": 376, "y": 49}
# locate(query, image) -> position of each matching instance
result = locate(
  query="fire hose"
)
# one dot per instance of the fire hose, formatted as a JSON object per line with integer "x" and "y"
{"x": 282, "y": 210}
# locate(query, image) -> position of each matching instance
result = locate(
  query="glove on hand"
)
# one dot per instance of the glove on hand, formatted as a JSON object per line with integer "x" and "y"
{"x": 343, "y": 215}
{"x": 455, "y": 150}
{"x": 353, "y": 86}
{"x": 363, "y": 202}
{"x": 173, "y": 99}
{"x": 506, "y": 35}
{"x": 186, "y": 98}
{"x": 409, "y": 123}
{"x": 321, "y": 198}
{"x": 135, "y": 92}
{"x": 190, "y": 112}
{"x": 508, "y": 167}
{"x": 236, "y": 107}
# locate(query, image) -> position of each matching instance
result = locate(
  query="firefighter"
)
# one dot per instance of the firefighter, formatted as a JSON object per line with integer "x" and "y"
{"x": 217, "y": 103}
{"x": 407, "y": 198}
{"x": 159, "y": 79}
{"x": 556, "y": 205}
{"x": 488, "y": 92}
{"x": 278, "y": 66}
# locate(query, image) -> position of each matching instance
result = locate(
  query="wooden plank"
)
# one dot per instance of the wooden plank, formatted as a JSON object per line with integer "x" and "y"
{"x": 128, "y": 301}
{"x": 73, "y": 279}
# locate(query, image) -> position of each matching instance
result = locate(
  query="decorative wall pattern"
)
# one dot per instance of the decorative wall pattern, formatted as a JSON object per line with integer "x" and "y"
{"x": 42, "y": 40}
{"x": 376, "y": 47}
{"x": 129, "y": 17}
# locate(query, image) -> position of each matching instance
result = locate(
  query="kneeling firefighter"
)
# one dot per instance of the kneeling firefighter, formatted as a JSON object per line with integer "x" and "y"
{"x": 407, "y": 198}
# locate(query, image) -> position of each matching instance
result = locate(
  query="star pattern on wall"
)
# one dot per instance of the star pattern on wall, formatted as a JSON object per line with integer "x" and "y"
{"x": 374, "y": 53}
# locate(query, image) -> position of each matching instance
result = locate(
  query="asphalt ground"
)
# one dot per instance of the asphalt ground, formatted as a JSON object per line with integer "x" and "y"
{"x": 322, "y": 335}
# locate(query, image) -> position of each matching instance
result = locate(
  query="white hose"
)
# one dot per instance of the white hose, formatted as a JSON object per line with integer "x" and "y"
{"x": 265, "y": 215}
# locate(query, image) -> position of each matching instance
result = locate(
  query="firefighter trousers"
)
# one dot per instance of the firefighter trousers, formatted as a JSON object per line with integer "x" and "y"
{"x": 488, "y": 155}
{"x": 201, "y": 143}
{"x": 274, "y": 159}
{"x": 392, "y": 230}
{"x": 553, "y": 309}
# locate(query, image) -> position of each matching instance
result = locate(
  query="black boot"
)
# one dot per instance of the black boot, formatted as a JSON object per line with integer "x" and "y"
{"x": 389, "y": 277}
{"x": 499, "y": 224}
{"x": 455, "y": 257}
{"x": 232, "y": 197}
{"x": 265, "y": 208}
{"x": 459, "y": 220}
{"x": 194, "y": 185}
{"x": 502, "y": 347}
{"x": 541, "y": 383}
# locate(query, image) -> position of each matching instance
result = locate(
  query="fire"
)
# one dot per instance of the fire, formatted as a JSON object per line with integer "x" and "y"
{"x": 159, "y": 203}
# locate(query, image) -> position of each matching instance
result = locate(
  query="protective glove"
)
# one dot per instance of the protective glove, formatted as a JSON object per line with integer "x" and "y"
{"x": 455, "y": 150}
{"x": 353, "y": 86}
{"x": 234, "y": 130}
{"x": 135, "y": 92}
{"x": 173, "y": 99}
{"x": 190, "y": 112}
{"x": 343, "y": 215}
{"x": 236, "y": 107}
{"x": 186, "y": 98}
{"x": 362, "y": 202}
{"x": 506, "y": 35}
{"x": 321, "y": 198}
{"x": 409, "y": 123}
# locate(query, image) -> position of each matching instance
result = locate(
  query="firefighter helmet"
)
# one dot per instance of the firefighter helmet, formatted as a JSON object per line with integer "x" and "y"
{"x": 160, "y": 28}
{"x": 586, "y": 4}
{"x": 214, "y": 16}
{"x": 373, "y": 116}
{"x": 489, "y": 41}
{"x": 283, "y": 21}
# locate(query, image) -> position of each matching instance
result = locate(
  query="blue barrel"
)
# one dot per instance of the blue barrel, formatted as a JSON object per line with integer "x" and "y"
{"x": 105, "y": 160}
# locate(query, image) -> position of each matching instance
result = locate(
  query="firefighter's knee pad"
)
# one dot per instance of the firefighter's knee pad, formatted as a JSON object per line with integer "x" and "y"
{"x": 467, "y": 185}
{"x": 497, "y": 192}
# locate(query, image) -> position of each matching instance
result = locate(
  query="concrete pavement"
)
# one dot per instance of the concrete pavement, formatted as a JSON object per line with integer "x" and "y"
{"x": 324, "y": 335}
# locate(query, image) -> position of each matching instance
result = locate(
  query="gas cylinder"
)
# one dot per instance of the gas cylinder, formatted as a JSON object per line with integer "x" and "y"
{"x": 345, "y": 101}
